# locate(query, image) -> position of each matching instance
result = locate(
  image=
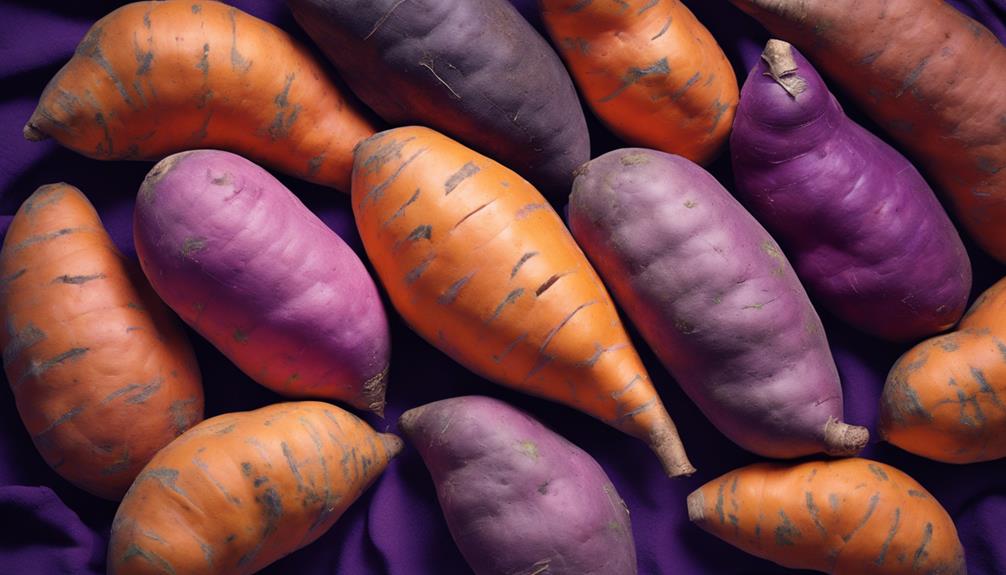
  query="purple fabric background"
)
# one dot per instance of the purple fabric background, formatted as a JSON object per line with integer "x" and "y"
{"x": 396, "y": 528}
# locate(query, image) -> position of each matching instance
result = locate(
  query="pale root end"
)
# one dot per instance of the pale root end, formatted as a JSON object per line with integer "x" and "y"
{"x": 842, "y": 439}
{"x": 372, "y": 395}
{"x": 392, "y": 443}
{"x": 407, "y": 422}
{"x": 32, "y": 133}
{"x": 671, "y": 453}
{"x": 782, "y": 68}
{"x": 696, "y": 507}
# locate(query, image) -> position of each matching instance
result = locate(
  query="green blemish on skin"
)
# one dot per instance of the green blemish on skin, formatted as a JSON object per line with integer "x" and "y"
{"x": 196, "y": 8}
{"x": 193, "y": 245}
{"x": 786, "y": 533}
{"x": 876, "y": 470}
{"x": 240, "y": 336}
{"x": 246, "y": 468}
{"x": 528, "y": 448}
{"x": 690, "y": 204}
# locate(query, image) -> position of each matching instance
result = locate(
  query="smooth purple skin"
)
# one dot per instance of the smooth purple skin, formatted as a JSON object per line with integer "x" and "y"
{"x": 865, "y": 232}
{"x": 713, "y": 296}
{"x": 475, "y": 70}
{"x": 518, "y": 497}
{"x": 244, "y": 263}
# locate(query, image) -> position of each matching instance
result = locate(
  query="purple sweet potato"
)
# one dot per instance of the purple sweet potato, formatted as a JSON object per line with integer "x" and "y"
{"x": 249, "y": 267}
{"x": 474, "y": 70}
{"x": 865, "y": 232}
{"x": 716, "y": 299}
{"x": 519, "y": 498}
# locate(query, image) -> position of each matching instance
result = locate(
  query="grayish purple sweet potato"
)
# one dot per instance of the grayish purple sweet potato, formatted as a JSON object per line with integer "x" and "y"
{"x": 472, "y": 69}
{"x": 519, "y": 498}
{"x": 249, "y": 267}
{"x": 865, "y": 232}
{"x": 716, "y": 299}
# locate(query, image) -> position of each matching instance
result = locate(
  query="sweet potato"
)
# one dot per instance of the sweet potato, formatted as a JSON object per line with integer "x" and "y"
{"x": 865, "y": 232}
{"x": 153, "y": 78}
{"x": 845, "y": 517}
{"x": 480, "y": 265}
{"x": 650, "y": 70}
{"x": 101, "y": 371}
{"x": 716, "y": 299}
{"x": 943, "y": 398}
{"x": 240, "y": 490}
{"x": 249, "y": 267}
{"x": 472, "y": 69}
{"x": 929, "y": 75}
{"x": 519, "y": 498}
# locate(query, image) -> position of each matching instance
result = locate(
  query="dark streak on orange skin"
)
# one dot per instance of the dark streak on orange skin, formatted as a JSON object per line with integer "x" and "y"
{"x": 878, "y": 521}
{"x": 943, "y": 399}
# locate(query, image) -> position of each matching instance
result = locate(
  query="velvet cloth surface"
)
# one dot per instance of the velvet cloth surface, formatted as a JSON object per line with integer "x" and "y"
{"x": 49, "y": 526}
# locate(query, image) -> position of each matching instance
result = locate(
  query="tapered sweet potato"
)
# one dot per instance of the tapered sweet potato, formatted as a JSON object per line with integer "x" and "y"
{"x": 944, "y": 398}
{"x": 153, "y": 78}
{"x": 248, "y": 266}
{"x": 716, "y": 299}
{"x": 845, "y": 517}
{"x": 650, "y": 70}
{"x": 472, "y": 69}
{"x": 240, "y": 490}
{"x": 101, "y": 371}
{"x": 932, "y": 77}
{"x": 480, "y": 265}
{"x": 518, "y": 498}
{"x": 864, "y": 231}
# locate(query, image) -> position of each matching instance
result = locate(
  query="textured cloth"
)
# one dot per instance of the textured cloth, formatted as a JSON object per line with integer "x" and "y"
{"x": 396, "y": 528}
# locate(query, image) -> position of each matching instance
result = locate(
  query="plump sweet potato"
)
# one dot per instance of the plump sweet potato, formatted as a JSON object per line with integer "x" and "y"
{"x": 472, "y": 69}
{"x": 519, "y": 498}
{"x": 101, "y": 371}
{"x": 864, "y": 231}
{"x": 248, "y": 266}
{"x": 715, "y": 298}
{"x": 929, "y": 75}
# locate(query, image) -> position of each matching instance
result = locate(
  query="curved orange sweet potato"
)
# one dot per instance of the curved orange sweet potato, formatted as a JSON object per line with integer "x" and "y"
{"x": 844, "y": 517}
{"x": 154, "y": 78}
{"x": 945, "y": 398}
{"x": 103, "y": 375}
{"x": 650, "y": 70}
{"x": 479, "y": 264}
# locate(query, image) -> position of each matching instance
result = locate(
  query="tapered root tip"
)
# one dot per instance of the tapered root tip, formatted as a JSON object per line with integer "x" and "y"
{"x": 696, "y": 507}
{"x": 842, "y": 439}
{"x": 33, "y": 134}
{"x": 671, "y": 454}
{"x": 407, "y": 422}
{"x": 392, "y": 443}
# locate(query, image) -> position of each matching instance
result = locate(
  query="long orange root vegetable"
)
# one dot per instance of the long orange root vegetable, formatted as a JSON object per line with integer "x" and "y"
{"x": 479, "y": 264}
{"x": 650, "y": 70}
{"x": 154, "y": 78}
{"x": 101, "y": 371}
{"x": 945, "y": 398}
{"x": 844, "y": 517}
{"x": 929, "y": 75}
{"x": 241, "y": 490}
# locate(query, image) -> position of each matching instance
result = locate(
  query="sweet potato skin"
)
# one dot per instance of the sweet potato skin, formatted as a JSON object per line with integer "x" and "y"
{"x": 472, "y": 69}
{"x": 241, "y": 490}
{"x": 102, "y": 373}
{"x": 713, "y": 295}
{"x": 933, "y": 78}
{"x": 153, "y": 78}
{"x": 519, "y": 498}
{"x": 846, "y": 517}
{"x": 863, "y": 229}
{"x": 248, "y": 266}
{"x": 944, "y": 398}
{"x": 477, "y": 263}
